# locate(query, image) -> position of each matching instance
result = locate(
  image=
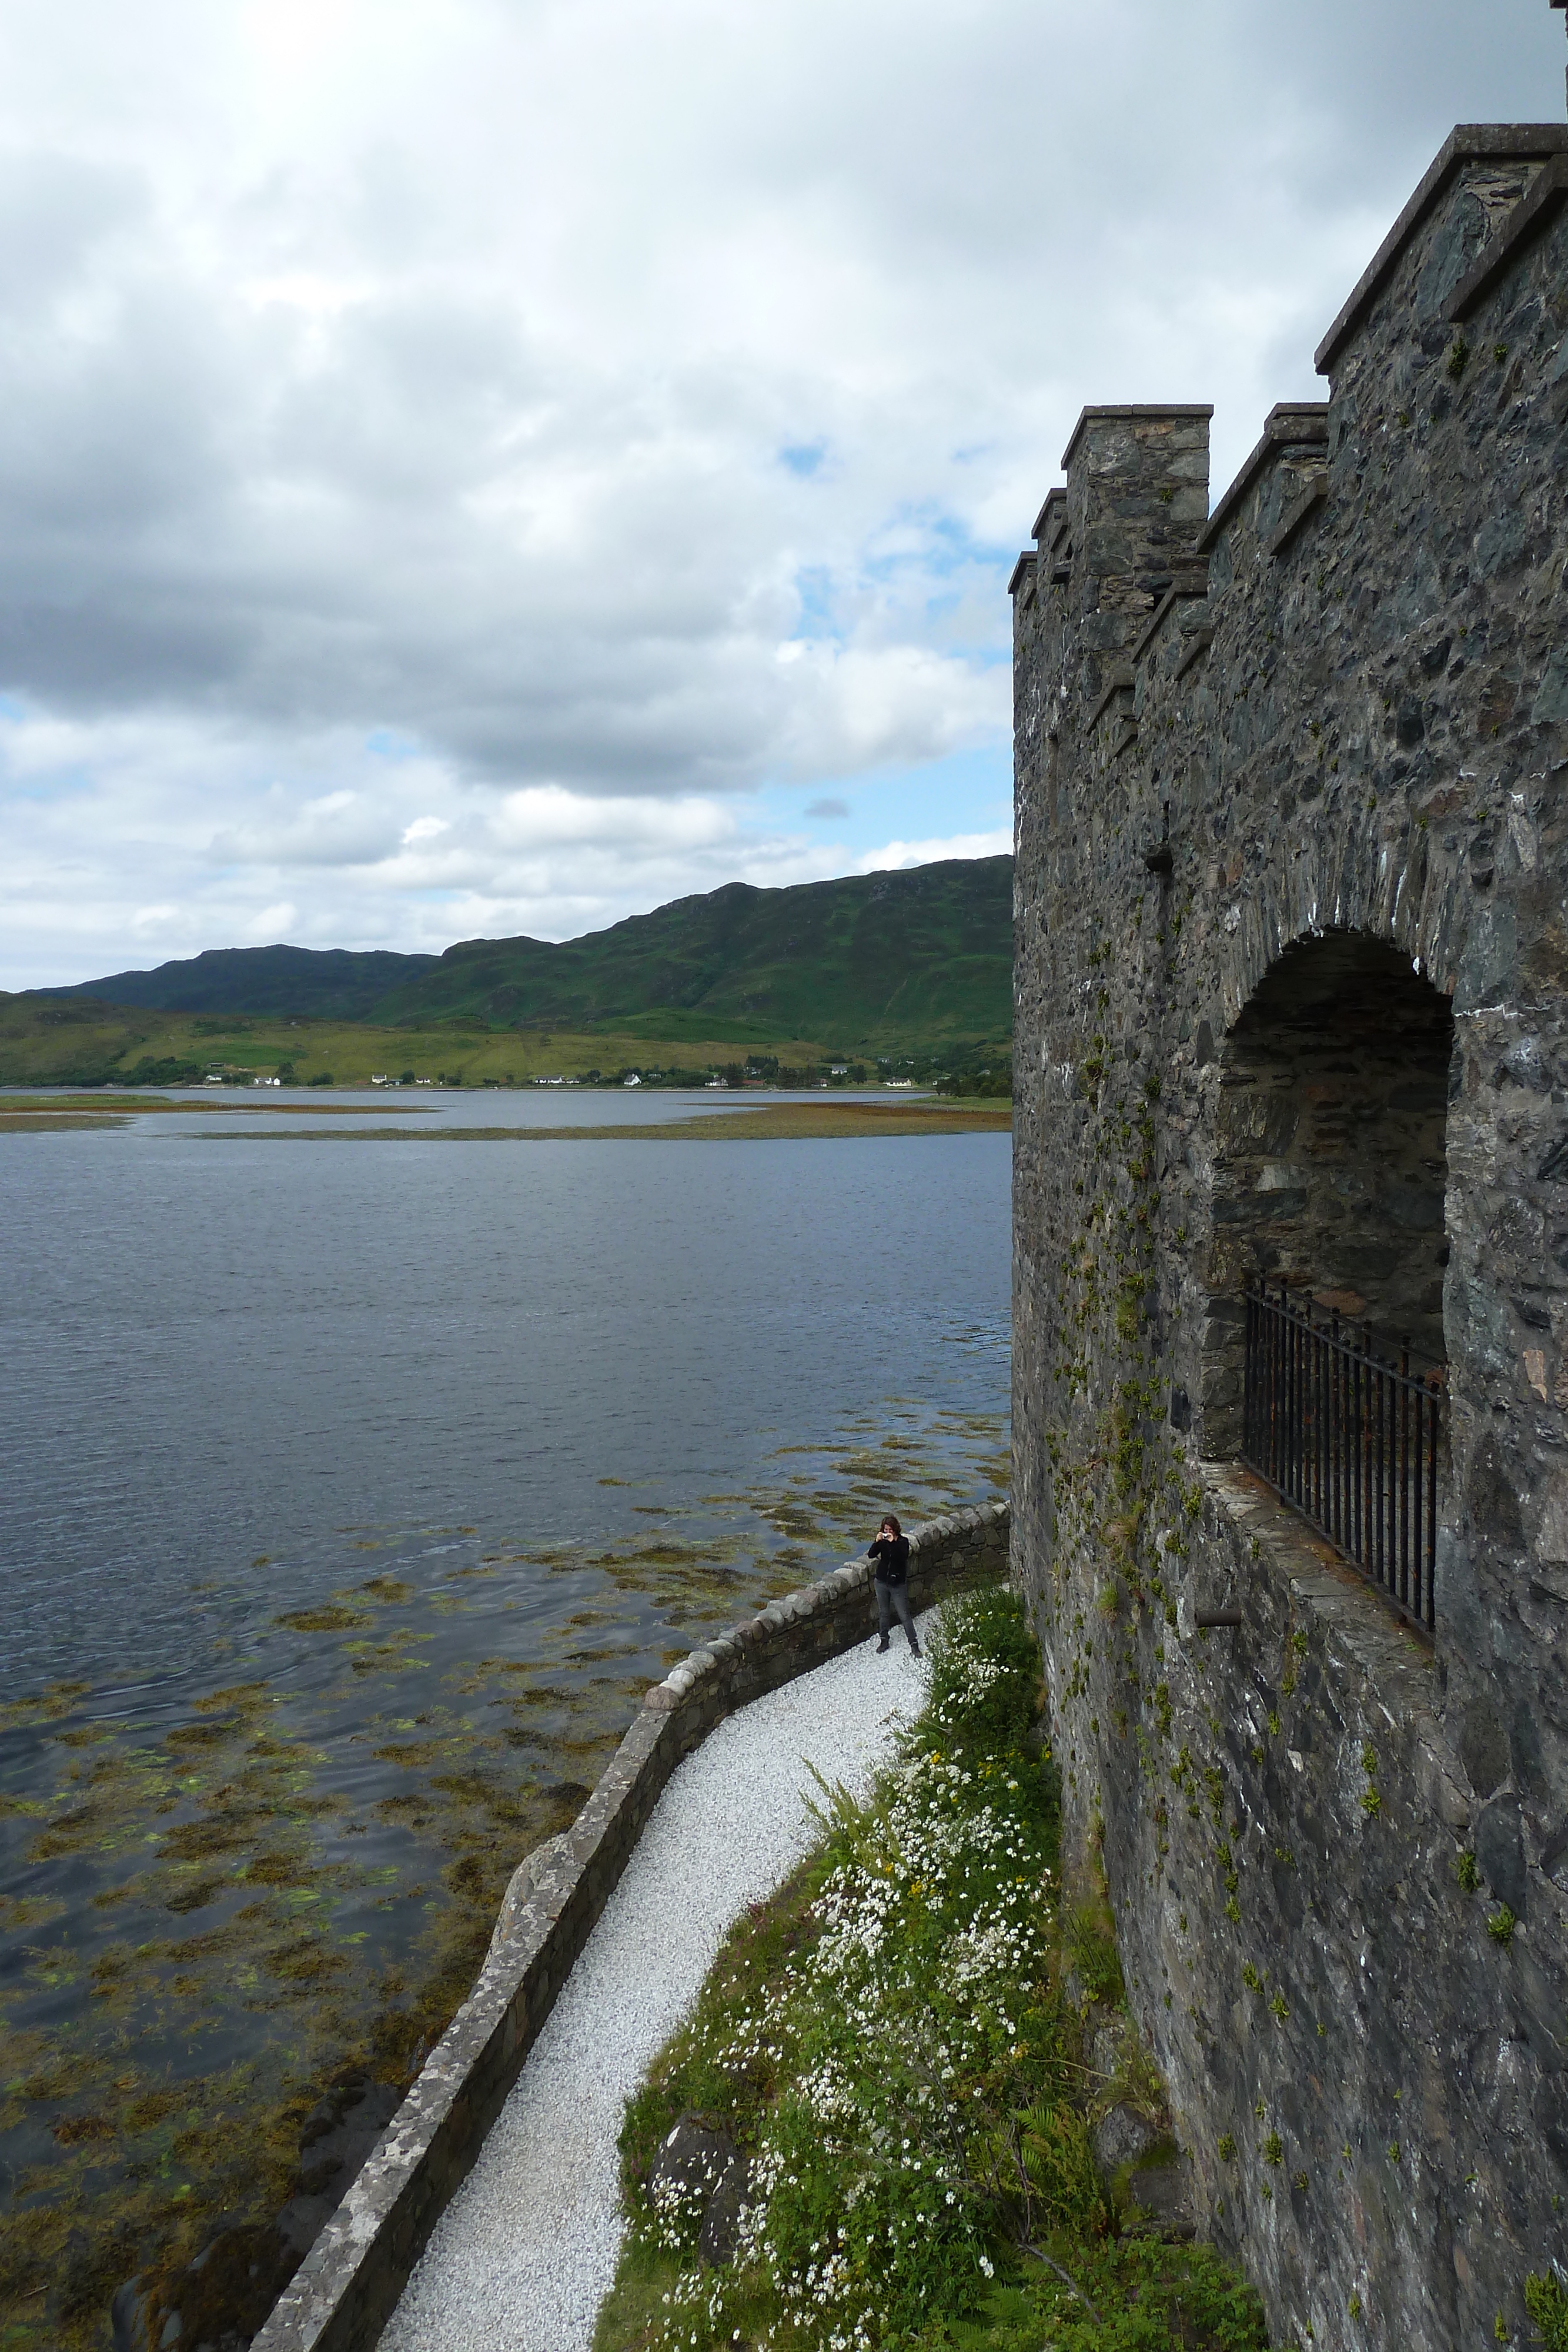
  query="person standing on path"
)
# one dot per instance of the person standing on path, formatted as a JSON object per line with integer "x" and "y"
{"x": 890, "y": 1578}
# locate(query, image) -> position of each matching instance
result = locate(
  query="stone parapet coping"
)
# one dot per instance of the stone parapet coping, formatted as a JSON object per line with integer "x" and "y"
{"x": 1135, "y": 412}
{"x": 1121, "y": 681}
{"x": 1184, "y": 590}
{"x": 1057, "y": 499}
{"x": 1312, "y": 493}
{"x": 1198, "y": 645}
{"x": 1548, "y": 192}
{"x": 344, "y": 2290}
{"x": 1290, "y": 425}
{"x": 1467, "y": 143}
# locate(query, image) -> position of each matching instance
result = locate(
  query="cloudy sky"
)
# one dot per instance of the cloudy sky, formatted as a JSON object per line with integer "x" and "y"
{"x": 470, "y": 467}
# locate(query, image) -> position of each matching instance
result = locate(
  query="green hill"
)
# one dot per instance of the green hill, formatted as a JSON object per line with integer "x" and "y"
{"x": 327, "y": 984}
{"x": 875, "y": 962}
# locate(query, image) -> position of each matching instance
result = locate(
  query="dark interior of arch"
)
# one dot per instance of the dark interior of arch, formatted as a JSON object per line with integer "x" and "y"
{"x": 1330, "y": 1165}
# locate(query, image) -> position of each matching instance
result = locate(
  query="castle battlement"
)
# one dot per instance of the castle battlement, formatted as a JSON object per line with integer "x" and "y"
{"x": 1291, "y": 1183}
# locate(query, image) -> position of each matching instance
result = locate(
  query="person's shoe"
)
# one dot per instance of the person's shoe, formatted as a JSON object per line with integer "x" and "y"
{"x": 914, "y": 1649}
{"x": 882, "y": 1645}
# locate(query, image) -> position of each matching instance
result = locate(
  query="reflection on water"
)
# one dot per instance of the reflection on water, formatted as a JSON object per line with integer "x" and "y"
{"x": 350, "y": 1508}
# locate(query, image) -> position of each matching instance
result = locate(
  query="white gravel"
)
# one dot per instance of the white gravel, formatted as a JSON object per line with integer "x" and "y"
{"x": 522, "y": 2258}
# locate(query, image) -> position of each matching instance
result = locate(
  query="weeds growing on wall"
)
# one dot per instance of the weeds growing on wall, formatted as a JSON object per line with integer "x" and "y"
{"x": 1546, "y": 2300}
{"x": 889, "y": 2045}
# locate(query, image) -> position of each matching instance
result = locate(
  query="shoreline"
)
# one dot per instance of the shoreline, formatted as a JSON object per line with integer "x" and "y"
{"x": 354, "y": 2275}
{"x": 772, "y": 1123}
{"x": 784, "y": 1125}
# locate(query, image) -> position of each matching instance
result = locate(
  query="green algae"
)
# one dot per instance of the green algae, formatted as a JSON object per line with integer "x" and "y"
{"x": 293, "y": 1880}
{"x": 328, "y": 1620}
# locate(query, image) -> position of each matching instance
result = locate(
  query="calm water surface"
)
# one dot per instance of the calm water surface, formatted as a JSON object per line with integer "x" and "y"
{"x": 352, "y": 1492}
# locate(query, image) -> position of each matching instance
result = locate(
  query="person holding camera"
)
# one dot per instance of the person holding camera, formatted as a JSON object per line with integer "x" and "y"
{"x": 890, "y": 1578}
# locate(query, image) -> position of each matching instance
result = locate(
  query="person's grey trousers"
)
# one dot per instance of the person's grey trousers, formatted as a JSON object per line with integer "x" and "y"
{"x": 893, "y": 1599}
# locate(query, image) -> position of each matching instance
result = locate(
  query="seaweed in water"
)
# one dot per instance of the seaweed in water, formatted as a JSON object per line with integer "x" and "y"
{"x": 236, "y": 1933}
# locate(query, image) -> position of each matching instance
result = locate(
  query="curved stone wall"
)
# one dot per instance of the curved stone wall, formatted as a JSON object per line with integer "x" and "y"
{"x": 345, "y": 2289}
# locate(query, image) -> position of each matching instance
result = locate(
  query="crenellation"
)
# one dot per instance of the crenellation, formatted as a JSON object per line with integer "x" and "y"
{"x": 1050, "y": 523}
{"x": 1493, "y": 157}
{"x": 1290, "y": 966}
{"x": 1290, "y": 427}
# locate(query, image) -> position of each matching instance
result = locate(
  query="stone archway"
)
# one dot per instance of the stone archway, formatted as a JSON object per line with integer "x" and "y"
{"x": 1328, "y": 1156}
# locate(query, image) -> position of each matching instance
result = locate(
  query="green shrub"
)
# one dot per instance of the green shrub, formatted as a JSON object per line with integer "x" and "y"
{"x": 1131, "y": 2295}
{"x": 1547, "y": 2304}
{"x": 1057, "y": 2155}
{"x": 984, "y": 1670}
{"x": 168, "y": 1071}
{"x": 1092, "y": 1946}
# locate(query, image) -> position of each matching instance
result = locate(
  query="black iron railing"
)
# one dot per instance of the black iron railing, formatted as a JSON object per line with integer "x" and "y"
{"x": 1348, "y": 1438}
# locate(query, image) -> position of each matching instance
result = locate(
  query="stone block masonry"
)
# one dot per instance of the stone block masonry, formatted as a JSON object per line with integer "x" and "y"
{"x": 1292, "y": 782}
{"x": 346, "y": 2288}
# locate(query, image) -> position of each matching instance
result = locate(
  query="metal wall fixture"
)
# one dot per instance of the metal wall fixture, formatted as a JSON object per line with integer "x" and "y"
{"x": 1349, "y": 1439}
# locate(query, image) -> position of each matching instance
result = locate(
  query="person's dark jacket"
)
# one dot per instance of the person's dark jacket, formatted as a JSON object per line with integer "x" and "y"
{"x": 891, "y": 1554}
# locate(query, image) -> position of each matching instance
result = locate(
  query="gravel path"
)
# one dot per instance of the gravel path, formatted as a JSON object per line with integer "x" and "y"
{"x": 522, "y": 2257}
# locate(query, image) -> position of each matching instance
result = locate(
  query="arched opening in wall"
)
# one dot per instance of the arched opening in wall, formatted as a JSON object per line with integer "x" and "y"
{"x": 1329, "y": 1175}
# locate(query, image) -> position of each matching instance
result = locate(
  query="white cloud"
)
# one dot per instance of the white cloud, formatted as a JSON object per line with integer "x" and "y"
{"x": 272, "y": 924}
{"x": 463, "y": 457}
{"x": 154, "y": 922}
{"x": 922, "y": 852}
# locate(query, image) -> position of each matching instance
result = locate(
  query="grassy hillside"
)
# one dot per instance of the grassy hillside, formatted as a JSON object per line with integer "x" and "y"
{"x": 874, "y": 959}
{"x": 83, "y": 1042}
{"x": 874, "y": 963}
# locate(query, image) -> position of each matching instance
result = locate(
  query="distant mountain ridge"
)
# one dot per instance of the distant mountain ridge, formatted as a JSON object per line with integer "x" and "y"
{"x": 327, "y": 984}
{"x": 922, "y": 951}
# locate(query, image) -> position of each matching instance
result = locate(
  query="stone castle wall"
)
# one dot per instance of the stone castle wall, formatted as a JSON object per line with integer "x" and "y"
{"x": 1292, "y": 939}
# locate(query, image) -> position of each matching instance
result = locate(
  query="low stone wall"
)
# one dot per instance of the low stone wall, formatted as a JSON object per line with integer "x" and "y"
{"x": 341, "y": 2295}
{"x": 1349, "y": 1972}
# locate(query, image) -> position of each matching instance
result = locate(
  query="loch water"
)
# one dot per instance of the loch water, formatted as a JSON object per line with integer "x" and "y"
{"x": 353, "y": 1488}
